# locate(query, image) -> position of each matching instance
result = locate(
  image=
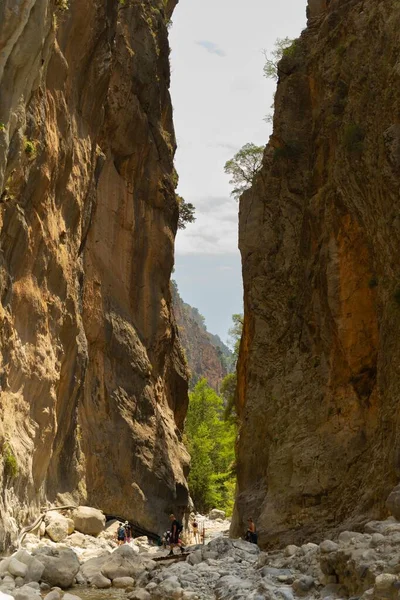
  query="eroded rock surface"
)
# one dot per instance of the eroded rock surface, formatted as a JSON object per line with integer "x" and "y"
{"x": 319, "y": 235}
{"x": 93, "y": 382}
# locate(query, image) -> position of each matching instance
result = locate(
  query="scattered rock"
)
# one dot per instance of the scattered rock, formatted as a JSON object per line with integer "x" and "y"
{"x": 385, "y": 586}
{"x": 93, "y": 566}
{"x": 90, "y": 521}
{"x": 53, "y": 595}
{"x": 377, "y": 539}
{"x": 137, "y": 595}
{"x": 291, "y": 550}
{"x": 123, "y": 582}
{"x": 328, "y": 546}
{"x": 303, "y": 585}
{"x": 122, "y": 562}
{"x": 17, "y": 568}
{"x": 60, "y": 565}
{"x": 26, "y": 593}
{"x": 101, "y": 582}
{"x": 347, "y": 536}
{"x": 68, "y": 596}
{"x": 215, "y": 513}
{"x": 56, "y": 526}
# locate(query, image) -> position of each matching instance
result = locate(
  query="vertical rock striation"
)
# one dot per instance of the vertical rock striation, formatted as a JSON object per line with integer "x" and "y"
{"x": 318, "y": 376}
{"x": 93, "y": 381}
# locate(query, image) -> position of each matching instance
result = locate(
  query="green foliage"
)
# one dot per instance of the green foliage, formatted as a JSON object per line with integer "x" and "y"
{"x": 235, "y": 334}
{"x": 243, "y": 167}
{"x": 210, "y": 441}
{"x": 354, "y": 136}
{"x": 186, "y": 212}
{"x": 62, "y": 4}
{"x": 2, "y": 127}
{"x": 283, "y": 47}
{"x": 30, "y": 148}
{"x": 10, "y": 462}
{"x": 228, "y": 394}
{"x": 229, "y": 383}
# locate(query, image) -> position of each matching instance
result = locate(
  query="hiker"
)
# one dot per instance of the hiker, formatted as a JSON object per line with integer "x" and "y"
{"x": 251, "y": 535}
{"x": 195, "y": 529}
{"x": 165, "y": 539}
{"x": 128, "y": 531}
{"x": 176, "y": 528}
{"x": 121, "y": 534}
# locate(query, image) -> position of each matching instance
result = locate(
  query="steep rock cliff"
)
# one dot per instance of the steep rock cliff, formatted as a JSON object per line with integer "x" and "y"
{"x": 93, "y": 381}
{"x": 206, "y": 354}
{"x": 318, "y": 375}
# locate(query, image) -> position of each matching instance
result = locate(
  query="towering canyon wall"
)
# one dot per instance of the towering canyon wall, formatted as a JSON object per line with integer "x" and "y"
{"x": 319, "y": 378}
{"x": 93, "y": 380}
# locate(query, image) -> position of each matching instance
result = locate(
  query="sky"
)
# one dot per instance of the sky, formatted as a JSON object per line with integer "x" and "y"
{"x": 220, "y": 98}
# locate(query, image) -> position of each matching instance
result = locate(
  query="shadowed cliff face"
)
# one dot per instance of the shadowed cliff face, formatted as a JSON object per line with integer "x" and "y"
{"x": 319, "y": 236}
{"x": 93, "y": 382}
{"x": 204, "y": 357}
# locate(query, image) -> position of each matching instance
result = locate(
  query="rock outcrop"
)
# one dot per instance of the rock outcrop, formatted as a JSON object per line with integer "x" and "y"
{"x": 93, "y": 380}
{"x": 207, "y": 356}
{"x": 318, "y": 374}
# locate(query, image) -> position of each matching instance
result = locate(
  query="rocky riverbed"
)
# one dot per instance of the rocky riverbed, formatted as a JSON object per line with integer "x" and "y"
{"x": 364, "y": 564}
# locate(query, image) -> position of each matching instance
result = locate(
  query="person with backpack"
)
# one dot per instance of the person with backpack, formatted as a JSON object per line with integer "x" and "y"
{"x": 128, "y": 531}
{"x": 251, "y": 534}
{"x": 176, "y": 529}
{"x": 121, "y": 534}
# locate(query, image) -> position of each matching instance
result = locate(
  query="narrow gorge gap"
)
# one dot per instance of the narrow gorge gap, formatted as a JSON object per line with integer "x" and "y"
{"x": 95, "y": 418}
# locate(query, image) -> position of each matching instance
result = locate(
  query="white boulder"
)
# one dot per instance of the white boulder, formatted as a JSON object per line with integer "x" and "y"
{"x": 90, "y": 521}
{"x": 56, "y": 526}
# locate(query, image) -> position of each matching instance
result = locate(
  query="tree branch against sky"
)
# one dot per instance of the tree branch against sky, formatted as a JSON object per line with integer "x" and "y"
{"x": 243, "y": 167}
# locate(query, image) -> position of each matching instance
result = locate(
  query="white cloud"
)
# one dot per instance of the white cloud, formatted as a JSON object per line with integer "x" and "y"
{"x": 215, "y": 230}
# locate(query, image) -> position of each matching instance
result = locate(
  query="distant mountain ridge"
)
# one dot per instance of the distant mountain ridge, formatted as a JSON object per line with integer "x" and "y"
{"x": 206, "y": 353}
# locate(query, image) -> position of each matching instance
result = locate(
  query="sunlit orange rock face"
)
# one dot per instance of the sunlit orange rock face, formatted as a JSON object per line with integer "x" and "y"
{"x": 319, "y": 376}
{"x": 93, "y": 380}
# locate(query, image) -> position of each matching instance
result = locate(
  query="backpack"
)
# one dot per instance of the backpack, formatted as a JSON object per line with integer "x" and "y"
{"x": 194, "y": 524}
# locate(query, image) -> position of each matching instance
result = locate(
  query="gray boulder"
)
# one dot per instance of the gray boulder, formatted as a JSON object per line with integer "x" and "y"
{"x": 93, "y": 566}
{"x": 303, "y": 585}
{"x": 53, "y": 595}
{"x": 4, "y": 566}
{"x": 123, "y": 582}
{"x": 57, "y": 526}
{"x": 90, "y": 521}
{"x": 35, "y": 570}
{"x": 17, "y": 568}
{"x": 215, "y": 513}
{"x": 328, "y": 546}
{"x": 139, "y": 595}
{"x": 26, "y": 593}
{"x": 100, "y": 582}
{"x": 71, "y": 597}
{"x": 60, "y": 565}
{"x": 123, "y": 562}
